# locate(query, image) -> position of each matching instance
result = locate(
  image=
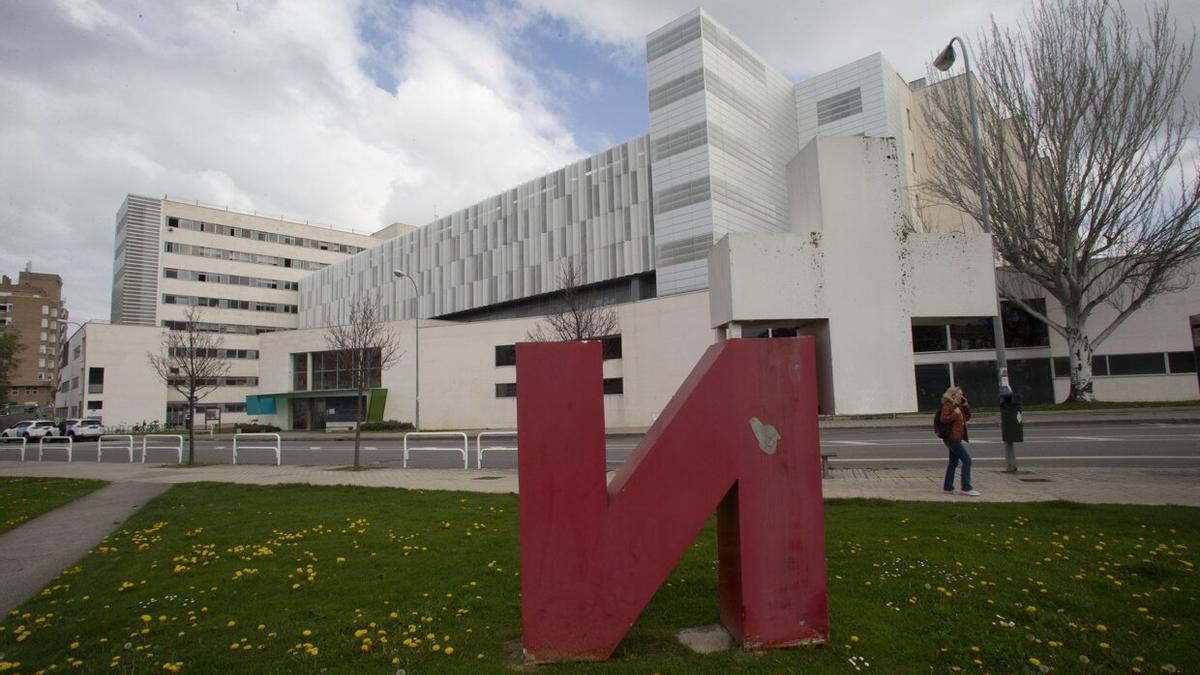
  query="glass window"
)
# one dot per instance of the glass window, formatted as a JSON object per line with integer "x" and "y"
{"x": 506, "y": 355}
{"x": 1021, "y": 329}
{"x": 1182, "y": 362}
{"x": 973, "y": 334}
{"x": 506, "y": 390}
{"x": 614, "y": 385}
{"x": 1137, "y": 364}
{"x": 611, "y": 347}
{"x": 932, "y": 381}
{"x": 930, "y": 339}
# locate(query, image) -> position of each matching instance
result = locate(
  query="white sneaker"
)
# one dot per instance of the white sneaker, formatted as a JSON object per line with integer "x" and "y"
{"x": 971, "y": 493}
{"x": 950, "y": 492}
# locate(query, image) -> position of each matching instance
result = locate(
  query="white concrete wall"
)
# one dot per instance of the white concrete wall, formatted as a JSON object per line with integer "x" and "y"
{"x": 661, "y": 340}
{"x": 132, "y": 391}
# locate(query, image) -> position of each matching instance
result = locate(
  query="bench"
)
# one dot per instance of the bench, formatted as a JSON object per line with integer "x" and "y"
{"x": 825, "y": 456}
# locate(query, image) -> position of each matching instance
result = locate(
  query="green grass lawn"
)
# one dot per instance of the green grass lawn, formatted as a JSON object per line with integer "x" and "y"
{"x": 24, "y": 498}
{"x": 296, "y": 579}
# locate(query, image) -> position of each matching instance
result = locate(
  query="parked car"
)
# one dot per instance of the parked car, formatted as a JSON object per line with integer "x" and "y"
{"x": 83, "y": 429}
{"x": 30, "y": 429}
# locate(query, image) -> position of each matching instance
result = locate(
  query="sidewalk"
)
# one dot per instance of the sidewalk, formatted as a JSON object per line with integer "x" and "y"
{"x": 1163, "y": 415}
{"x": 1086, "y": 485}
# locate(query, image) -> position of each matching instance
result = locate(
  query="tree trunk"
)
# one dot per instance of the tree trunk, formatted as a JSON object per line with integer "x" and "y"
{"x": 1079, "y": 350}
{"x": 191, "y": 432}
{"x": 357, "y": 425}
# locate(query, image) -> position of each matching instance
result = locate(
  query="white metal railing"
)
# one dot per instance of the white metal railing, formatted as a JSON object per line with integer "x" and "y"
{"x": 238, "y": 445}
{"x": 56, "y": 439}
{"x": 437, "y": 434}
{"x": 6, "y": 441}
{"x": 480, "y": 448}
{"x": 163, "y": 442}
{"x": 115, "y": 442}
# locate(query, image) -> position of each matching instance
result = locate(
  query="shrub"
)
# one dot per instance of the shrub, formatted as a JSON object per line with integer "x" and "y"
{"x": 387, "y": 425}
{"x": 257, "y": 428}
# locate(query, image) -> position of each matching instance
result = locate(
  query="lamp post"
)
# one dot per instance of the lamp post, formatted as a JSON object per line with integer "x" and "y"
{"x": 401, "y": 274}
{"x": 943, "y": 62}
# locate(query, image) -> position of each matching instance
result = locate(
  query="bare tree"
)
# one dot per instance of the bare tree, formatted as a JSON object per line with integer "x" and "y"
{"x": 1092, "y": 197}
{"x": 191, "y": 361}
{"x": 364, "y": 347}
{"x": 583, "y": 317}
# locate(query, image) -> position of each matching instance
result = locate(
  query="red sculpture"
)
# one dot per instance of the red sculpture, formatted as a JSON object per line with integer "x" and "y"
{"x": 739, "y": 437}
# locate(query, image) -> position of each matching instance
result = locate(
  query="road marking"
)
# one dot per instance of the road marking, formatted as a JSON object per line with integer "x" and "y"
{"x": 369, "y": 447}
{"x": 1023, "y": 458}
{"x": 218, "y": 447}
{"x": 853, "y": 442}
{"x": 1087, "y": 438}
{"x": 314, "y": 447}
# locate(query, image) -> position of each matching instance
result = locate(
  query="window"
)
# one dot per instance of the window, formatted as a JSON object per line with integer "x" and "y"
{"x": 506, "y": 355}
{"x": 1062, "y": 366}
{"x": 506, "y": 390}
{"x": 95, "y": 380}
{"x": 614, "y": 385}
{"x": 45, "y": 323}
{"x": 1021, "y": 329}
{"x": 45, "y": 310}
{"x": 335, "y": 370}
{"x": 839, "y": 106}
{"x": 95, "y": 405}
{"x": 1182, "y": 362}
{"x": 611, "y": 347}
{"x": 6, "y": 307}
{"x": 74, "y": 383}
{"x": 300, "y": 372}
{"x": 973, "y": 334}
{"x": 1137, "y": 364}
{"x": 930, "y": 339}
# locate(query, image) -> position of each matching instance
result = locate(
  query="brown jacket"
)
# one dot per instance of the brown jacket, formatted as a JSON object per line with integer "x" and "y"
{"x": 956, "y": 416}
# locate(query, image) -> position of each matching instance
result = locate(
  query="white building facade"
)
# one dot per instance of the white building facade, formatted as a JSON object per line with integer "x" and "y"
{"x": 754, "y": 207}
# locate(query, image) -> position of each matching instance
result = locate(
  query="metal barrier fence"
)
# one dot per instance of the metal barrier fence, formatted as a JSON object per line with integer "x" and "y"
{"x": 437, "y": 434}
{"x": 115, "y": 442}
{"x": 480, "y": 449}
{"x": 277, "y": 447}
{"x": 56, "y": 439}
{"x": 160, "y": 442}
{"x": 5, "y": 441}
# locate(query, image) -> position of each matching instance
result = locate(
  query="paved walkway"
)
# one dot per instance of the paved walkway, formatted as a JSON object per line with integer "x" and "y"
{"x": 32, "y": 554}
{"x": 1087, "y": 485}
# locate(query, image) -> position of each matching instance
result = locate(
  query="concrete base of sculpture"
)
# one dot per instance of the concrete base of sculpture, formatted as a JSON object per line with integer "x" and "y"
{"x": 710, "y": 639}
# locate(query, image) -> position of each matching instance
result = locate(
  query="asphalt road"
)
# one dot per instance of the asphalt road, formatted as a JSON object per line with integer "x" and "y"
{"x": 1142, "y": 445}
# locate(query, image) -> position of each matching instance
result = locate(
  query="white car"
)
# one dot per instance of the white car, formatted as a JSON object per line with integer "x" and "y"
{"x": 84, "y": 429}
{"x": 30, "y": 429}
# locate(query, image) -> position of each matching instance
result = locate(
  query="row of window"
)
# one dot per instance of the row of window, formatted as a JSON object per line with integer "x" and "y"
{"x": 203, "y": 327}
{"x": 1021, "y": 329}
{"x": 334, "y": 370}
{"x": 227, "y": 381}
{"x": 231, "y": 279}
{"x": 1149, "y": 363}
{"x": 612, "y": 385}
{"x": 217, "y": 353}
{"x": 180, "y": 409}
{"x": 240, "y": 256}
{"x": 259, "y": 235}
{"x": 506, "y": 355}
{"x": 228, "y": 303}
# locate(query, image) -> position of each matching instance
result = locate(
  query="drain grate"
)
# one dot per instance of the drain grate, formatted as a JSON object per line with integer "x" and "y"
{"x": 488, "y": 478}
{"x": 1034, "y": 480}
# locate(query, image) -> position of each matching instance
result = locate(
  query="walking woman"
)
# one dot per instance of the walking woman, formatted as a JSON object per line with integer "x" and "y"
{"x": 955, "y": 413}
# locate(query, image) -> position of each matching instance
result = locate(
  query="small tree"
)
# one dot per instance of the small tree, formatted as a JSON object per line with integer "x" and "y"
{"x": 10, "y": 346}
{"x": 365, "y": 347}
{"x": 1092, "y": 195}
{"x": 582, "y": 317}
{"x": 189, "y": 363}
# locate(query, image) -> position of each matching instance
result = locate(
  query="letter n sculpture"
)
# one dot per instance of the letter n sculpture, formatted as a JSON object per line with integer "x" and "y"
{"x": 739, "y": 438}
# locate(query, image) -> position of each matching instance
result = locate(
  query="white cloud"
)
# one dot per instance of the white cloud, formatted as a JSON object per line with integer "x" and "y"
{"x": 262, "y": 106}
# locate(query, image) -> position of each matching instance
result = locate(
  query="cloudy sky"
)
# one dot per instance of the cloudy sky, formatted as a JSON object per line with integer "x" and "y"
{"x": 356, "y": 114}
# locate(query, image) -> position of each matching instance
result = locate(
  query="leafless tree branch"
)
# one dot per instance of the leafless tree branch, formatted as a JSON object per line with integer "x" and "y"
{"x": 582, "y": 318}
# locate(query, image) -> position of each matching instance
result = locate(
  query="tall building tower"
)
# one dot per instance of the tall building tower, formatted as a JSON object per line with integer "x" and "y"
{"x": 33, "y": 307}
{"x": 243, "y": 270}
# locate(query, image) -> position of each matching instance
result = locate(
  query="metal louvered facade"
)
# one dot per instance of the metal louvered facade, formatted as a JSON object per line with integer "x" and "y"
{"x": 135, "y": 262}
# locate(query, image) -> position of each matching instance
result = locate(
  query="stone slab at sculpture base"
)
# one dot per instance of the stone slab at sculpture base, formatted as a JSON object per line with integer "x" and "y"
{"x": 710, "y": 639}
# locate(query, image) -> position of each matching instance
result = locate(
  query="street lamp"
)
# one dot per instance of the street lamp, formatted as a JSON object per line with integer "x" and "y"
{"x": 943, "y": 62}
{"x": 401, "y": 274}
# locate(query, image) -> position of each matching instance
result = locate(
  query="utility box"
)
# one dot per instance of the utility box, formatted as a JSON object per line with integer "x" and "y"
{"x": 1012, "y": 428}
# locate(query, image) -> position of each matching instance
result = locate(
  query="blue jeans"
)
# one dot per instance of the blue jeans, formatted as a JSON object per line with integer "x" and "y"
{"x": 958, "y": 453}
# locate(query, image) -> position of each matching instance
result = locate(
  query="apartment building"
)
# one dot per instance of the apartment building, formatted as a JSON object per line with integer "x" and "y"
{"x": 33, "y": 306}
{"x": 241, "y": 269}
